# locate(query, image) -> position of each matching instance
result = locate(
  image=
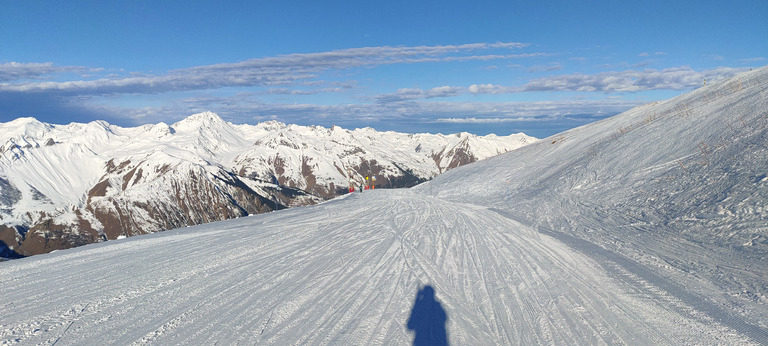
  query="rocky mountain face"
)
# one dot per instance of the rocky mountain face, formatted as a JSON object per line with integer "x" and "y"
{"x": 69, "y": 185}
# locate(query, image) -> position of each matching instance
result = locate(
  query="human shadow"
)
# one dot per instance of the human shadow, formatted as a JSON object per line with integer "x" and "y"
{"x": 427, "y": 319}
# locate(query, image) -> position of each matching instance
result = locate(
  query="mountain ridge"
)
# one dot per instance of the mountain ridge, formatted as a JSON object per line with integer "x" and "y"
{"x": 79, "y": 183}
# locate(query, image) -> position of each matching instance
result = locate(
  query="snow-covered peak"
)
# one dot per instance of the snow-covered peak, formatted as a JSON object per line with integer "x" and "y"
{"x": 271, "y": 125}
{"x": 199, "y": 121}
{"x": 161, "y": 130}
{"x": 24, "y": 128}
{"x": 98, "y": 128}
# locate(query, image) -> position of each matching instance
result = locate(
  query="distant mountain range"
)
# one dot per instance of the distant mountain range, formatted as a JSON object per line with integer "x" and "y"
{"x": 68, "y": 185}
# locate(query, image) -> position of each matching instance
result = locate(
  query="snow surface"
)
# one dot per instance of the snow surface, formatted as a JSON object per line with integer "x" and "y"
{"x": 626, "y": 231}
{"x": 344, "y": 272}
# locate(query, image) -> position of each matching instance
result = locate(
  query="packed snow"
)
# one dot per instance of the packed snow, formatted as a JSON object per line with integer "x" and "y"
{"x": 344, "y": 272}
{"x": 626, "y": 231}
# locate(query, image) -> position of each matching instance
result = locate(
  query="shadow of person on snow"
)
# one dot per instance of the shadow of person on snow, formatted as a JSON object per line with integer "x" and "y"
{"x": 428, "y": 319}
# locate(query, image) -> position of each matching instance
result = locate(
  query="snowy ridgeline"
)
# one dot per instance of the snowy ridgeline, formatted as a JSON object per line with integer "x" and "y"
{"x": 69, "y": 185}
{"x": 646, "y": 228}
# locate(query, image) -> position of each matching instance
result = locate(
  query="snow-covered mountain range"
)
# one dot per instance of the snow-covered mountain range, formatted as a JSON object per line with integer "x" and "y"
{"x": 647, "y": 228}
{"x": 68, "y": 185}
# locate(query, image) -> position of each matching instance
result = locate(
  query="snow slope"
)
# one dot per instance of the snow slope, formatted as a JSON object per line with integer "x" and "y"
{"x": 343, "y": 272}
{"x": 567, "y": 248}
{"x": 678, "y": 186}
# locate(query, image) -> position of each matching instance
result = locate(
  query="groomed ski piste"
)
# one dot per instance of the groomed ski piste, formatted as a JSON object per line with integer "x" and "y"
{"x": 644, "y": 228}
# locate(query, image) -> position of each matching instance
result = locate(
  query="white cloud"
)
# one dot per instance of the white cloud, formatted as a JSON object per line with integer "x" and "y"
{"x": 554, "y": 66}
{"x": 272, "y": 71}
{"x": 14, "y": 71}
{"x": 646, "y": 54}
{"x": 407, "y": 94}
{"x": 491, "y": 89}
{"x": 245, "y": 108}
{"x": 474, "y": 120}
{"x": 752, "y": 60}
{"x": 295, "y": 91}
{"x": 445, "y": 91}
{"x": 678, "y": 78}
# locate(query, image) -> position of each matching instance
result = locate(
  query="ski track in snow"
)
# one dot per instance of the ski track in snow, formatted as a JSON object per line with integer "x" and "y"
{"x": 347, "y": 272}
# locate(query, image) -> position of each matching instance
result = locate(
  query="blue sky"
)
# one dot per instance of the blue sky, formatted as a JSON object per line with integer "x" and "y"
{"x": 501, "y": 67}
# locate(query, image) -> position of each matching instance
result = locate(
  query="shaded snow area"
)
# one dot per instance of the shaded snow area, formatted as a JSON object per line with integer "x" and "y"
{"x": 645, "y": 228}
{"x": 347, "y": 272}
